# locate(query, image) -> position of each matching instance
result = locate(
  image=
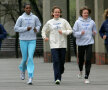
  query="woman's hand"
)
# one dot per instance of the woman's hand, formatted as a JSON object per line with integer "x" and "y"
{"x": 104, "y": 37}
{"x": 94, "y": 33}
{"x": 29, "y": 28}
{"x": 83, "y": 32}
{"x": 46, "y": 39}
{"x": 35, "y": 29}
{"x": 60, "y": 31}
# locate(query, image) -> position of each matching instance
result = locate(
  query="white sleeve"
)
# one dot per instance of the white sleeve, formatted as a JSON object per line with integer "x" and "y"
{"x": 18, "y": 26}
{"x": 94, "y": 28}
{"x": 45, "y": 30}
{"x": 68, "y": 29}
{"x": 76, "y": 31}
{"x": 38, "y": 24}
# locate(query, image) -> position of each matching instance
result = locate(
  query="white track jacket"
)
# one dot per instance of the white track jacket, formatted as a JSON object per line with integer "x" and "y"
{"x": 52, "y": 26}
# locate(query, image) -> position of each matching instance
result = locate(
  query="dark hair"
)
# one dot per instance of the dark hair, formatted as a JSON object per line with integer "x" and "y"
{"x": 84, "y": 8}
{"x": 55, "y": 7}
{"x": 25, "y": 4}
{"x": 105, "y": 14}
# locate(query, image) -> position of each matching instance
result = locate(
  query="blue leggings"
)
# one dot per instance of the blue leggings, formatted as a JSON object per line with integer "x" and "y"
{"x": 27, "y": 49}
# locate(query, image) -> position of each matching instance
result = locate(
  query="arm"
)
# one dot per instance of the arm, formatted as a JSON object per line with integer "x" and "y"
{"x": 102, "y": 31}
{"x": 94, "y": 29}
{"x": 44, "y": 31}
{"x": 18, "y": 26}
{"x": 76, "y": 31}
{"x": 38, "y": 24}
{"x": 68, "y": 29}
{"x": 3, "y": 33}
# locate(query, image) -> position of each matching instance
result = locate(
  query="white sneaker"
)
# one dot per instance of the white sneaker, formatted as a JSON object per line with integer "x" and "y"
{"x": 57, "y": 82}
{"x": 87, "y": 81}
{"x": 22, "y": 76}
{"x": 80, "y": 76}
{"x": 29, "y": 81}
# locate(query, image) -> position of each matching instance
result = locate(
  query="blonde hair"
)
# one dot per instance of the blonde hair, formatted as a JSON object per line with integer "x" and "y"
{"x": 105, "y": 15}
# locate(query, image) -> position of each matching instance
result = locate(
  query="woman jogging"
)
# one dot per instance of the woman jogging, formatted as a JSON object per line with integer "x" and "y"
{"x": 84, "y": 30}
{"x": 27, "y": 25}
{"x": 58, "y": 29}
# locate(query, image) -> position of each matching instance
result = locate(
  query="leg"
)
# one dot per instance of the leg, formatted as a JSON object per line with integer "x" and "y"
{"x": 23, "y": 47}
{"x": 62, "y": 59}
{"x": 81, "y": 52}
{"x": 30, "y": 64}
{"x": 88, "y": 61}
{"x": 55, "y": 57}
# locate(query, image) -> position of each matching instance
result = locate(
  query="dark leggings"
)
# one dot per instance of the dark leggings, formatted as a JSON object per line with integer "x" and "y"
{"x": 82, "y": 50}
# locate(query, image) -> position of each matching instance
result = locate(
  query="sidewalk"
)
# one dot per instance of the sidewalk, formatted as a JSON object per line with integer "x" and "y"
{"x": 44, "y": 79}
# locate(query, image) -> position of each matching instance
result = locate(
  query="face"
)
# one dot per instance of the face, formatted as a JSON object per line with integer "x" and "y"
{"x": 85, "y": 14}
{"x": 27, "y": 9}
{"x": 56, "y": 13}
